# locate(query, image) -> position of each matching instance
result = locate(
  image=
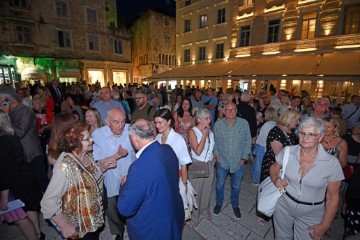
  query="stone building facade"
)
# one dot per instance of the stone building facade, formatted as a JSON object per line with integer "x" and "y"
{"x": 67, "y": 39}
{"x": 153, "y": 44}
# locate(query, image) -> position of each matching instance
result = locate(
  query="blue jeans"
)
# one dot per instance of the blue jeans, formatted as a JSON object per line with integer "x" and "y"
{"x": 259, "y": 152}
{"x": 236, "y": 178}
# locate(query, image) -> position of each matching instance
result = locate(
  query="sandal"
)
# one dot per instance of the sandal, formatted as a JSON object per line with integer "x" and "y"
{"x": 208, "y": 216}
{"x": 193, "y": 224}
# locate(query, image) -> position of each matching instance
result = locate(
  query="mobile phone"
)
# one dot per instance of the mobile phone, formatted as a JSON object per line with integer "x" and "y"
{"x": 5, "y": 102}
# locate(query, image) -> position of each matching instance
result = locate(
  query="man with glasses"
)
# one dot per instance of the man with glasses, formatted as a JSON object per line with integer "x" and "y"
{"x": 143, "y": 109}
{"x": 111, "y": 142}
{"x": 321, "y": 107}
{"x": 232, "y": 149}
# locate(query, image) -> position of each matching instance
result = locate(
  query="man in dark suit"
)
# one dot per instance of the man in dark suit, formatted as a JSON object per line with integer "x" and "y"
{"x": 150, "y": 198}
{"x": 57, "y": 94}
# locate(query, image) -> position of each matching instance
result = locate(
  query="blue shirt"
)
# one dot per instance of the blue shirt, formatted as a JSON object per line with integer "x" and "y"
{"x": 107, "y": 144}
{"x": 103, "y": 108}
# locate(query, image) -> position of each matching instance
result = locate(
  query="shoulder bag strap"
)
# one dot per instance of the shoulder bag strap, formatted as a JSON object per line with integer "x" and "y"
{"x": 353, "y": 112}
{"x": 285, "y": 160}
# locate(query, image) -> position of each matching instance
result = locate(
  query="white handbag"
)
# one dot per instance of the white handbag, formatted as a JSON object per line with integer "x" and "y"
{"x": 268, "y": 193}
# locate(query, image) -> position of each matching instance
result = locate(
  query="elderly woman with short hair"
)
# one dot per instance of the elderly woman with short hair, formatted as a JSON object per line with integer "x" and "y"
{"x": 202, "y": 143}
{"x": 73, "y": 199}
{"x": 311, "y": 176}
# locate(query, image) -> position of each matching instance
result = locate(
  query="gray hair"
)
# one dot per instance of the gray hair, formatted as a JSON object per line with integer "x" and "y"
{"x": 316, "y": 123}
{"x": 201, "y": 113}
{"x": 143, "y": 131}
{"x": 8, "y": 92}
{"x": 5, "y": 124}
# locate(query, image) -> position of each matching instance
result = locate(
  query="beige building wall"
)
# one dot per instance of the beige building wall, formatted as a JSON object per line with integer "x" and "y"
{"x": 209, "y": 35}
{"x": 328, "y": 34}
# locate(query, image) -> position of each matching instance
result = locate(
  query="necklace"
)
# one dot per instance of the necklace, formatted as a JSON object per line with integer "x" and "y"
{"x": 329, "y": 141}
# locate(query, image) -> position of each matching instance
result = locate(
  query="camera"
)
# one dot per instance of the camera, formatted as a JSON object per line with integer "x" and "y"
{"x": 5, "y": 102}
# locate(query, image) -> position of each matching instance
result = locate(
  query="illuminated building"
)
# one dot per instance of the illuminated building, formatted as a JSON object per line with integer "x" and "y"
{"x": 311, "y": 45}
{"x": 67, "y": 39}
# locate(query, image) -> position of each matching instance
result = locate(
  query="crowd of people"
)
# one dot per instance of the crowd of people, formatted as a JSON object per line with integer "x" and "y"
{"x": 79, "y": 152}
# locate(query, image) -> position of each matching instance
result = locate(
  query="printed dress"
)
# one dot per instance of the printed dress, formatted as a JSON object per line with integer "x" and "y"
{"x": 275, "y": 134}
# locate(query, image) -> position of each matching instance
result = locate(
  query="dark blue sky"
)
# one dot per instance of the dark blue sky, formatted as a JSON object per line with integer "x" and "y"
{"x": 130, "y": 9}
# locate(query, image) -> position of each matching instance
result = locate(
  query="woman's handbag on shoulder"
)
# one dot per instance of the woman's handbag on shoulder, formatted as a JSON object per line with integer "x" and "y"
{"x": 199, "y": 169}
{"x": 268, "y": 193}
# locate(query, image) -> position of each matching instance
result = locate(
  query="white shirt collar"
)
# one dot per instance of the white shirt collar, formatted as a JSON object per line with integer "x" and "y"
{"x": 143, "y": 148}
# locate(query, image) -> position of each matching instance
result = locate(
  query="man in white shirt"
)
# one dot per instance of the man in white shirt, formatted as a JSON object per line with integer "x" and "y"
{"x": 351, "y": 111}
{"x": 112, "y": 142}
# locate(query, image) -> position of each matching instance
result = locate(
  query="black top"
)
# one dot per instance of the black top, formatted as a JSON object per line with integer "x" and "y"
{"x": 248, "y": 113}
{"x": 275, "y": 134}
{"x": 353, "y": 146}
{"x": 10, "y": 161}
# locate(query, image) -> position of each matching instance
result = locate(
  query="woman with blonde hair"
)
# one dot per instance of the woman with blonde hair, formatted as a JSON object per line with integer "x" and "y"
{"x": 332, "y": 142}
{"x": 281, "y": 135}
{"x": 93, "y": 118}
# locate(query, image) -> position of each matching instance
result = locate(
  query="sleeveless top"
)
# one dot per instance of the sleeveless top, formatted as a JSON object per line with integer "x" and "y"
{"x": 183, "y": 129}
{"x": 207, "y": 153}
{"x": 335, "y": 151}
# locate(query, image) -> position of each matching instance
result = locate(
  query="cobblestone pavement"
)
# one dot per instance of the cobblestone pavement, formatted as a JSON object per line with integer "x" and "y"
{"x": 222, "y": 227}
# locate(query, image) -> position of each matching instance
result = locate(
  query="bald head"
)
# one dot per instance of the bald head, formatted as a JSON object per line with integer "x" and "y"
{"x": 116, "y": 120}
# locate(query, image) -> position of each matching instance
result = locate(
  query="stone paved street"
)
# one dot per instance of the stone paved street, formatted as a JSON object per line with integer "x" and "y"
{"x": 222, "y": 227}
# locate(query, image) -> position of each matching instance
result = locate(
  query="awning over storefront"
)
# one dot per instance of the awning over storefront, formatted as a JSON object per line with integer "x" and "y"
{"x": 344, "y": 65}
{"x": 347, "y": 63}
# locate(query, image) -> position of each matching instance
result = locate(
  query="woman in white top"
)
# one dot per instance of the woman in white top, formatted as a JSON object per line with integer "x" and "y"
{"x": 164, "y": 122}
{"x": 201, "y": 141}
{"x": 271, "y": 117}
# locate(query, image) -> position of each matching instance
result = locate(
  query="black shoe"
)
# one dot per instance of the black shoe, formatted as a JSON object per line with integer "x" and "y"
{"x": 217, "y": 210}
{"x": 42, "y": 236}
{"x": 119, "y": 237}
{"x": 237, "y": 212}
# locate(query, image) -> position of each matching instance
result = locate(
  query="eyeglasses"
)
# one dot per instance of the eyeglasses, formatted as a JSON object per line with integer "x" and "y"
{"x": 311, "y": 136}
{"x": 230, "y": 109}
{"x": 86, "y": 139}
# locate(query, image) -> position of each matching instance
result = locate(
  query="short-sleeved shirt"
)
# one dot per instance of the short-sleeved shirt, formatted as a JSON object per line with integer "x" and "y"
{"x": 104, "y": 109}
{"x": 144, "y": 113}
{"x": 178, "y": 144}
{"x": 107, "y": 144}
{"x": 311, "y": 187}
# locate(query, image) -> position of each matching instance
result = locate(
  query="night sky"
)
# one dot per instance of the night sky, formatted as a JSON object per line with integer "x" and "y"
{"x": 130, "y": 9}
